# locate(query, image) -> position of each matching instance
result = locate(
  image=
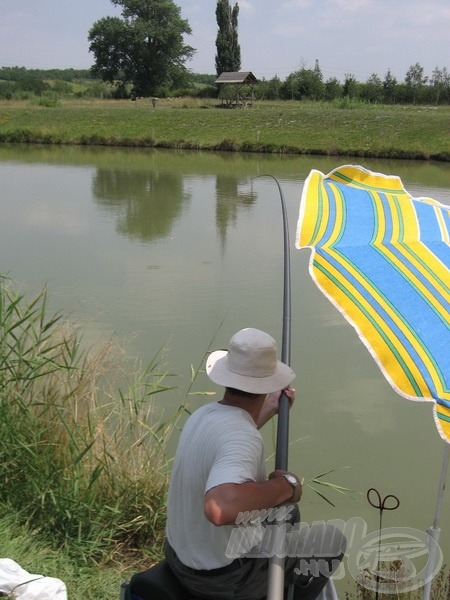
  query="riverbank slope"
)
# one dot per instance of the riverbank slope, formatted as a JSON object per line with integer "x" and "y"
{"x": 341, "y": 129}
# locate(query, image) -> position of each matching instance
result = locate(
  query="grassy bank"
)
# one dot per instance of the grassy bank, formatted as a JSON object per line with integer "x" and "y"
{"x": 83, "y": 473}
{"x": 345, "y": 128}
{"x": 84, "y": 581}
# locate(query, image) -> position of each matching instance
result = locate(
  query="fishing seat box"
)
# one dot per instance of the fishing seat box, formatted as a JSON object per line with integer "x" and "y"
{"x": 156, "y": 583}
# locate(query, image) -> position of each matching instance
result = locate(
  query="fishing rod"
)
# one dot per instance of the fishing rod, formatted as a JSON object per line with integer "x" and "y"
{"x": 275, "y": 589}
{"x": 282, "y": 445}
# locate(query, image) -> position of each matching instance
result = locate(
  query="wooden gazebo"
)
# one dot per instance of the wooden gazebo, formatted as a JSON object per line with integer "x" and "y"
{"x": 238, "y": 79}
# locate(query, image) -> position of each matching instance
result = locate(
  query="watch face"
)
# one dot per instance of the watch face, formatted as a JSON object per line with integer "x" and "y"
{"x": 291, "y": 479}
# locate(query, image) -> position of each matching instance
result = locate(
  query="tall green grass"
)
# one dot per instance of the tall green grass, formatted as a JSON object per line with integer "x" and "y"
{"x": 83, "y": 581}
{"x": 82, "y": 460}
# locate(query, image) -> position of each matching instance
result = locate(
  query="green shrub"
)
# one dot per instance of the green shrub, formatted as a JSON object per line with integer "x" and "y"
{"x": 48, "y": 101}
{"x": 347, "y": 102}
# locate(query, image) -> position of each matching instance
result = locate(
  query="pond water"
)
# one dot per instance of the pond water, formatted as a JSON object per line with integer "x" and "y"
{"x": 180, "y": 250}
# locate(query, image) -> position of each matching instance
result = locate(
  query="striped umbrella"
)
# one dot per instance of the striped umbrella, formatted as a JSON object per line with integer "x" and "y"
{"x": 383, "y": 259}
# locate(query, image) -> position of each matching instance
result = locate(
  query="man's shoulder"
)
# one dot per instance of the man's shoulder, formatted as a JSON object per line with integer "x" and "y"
{"x": 204, "y": 410}
{"x": 222, "y": 416}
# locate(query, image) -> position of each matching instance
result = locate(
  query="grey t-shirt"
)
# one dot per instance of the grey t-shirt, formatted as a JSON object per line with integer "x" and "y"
{"x": 219, "y": 444}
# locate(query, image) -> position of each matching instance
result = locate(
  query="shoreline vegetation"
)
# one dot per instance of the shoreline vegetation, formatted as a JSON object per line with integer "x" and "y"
{"x": 344, "y": 127}
{"x": 83, "y": 465}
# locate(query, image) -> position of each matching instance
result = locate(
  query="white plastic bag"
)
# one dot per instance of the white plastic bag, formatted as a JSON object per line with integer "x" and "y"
{"x": 16, "y": 582}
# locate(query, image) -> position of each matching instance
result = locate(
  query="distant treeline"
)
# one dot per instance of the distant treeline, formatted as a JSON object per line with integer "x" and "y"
{"x": 21, "y": 74}
{"x": 304, "y": 84}
{"x": 308, "y": 84}
{"x": 21, "y": 83}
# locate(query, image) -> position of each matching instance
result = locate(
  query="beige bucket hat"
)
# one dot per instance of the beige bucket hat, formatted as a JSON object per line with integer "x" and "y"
{"x": 250, "y": 364}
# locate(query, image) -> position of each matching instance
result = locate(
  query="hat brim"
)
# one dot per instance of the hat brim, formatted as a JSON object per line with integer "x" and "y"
{"x": 217, "y": 370}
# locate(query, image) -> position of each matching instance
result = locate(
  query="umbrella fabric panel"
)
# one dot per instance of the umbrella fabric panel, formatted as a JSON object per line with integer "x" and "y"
{"x": 383, "y": 259}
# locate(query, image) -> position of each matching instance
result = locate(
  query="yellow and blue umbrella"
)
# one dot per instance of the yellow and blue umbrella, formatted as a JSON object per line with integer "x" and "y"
{"x": 383, "y": 258}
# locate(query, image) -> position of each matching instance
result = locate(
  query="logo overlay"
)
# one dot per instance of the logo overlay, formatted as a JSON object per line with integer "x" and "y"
{"x": 389, "y": 560}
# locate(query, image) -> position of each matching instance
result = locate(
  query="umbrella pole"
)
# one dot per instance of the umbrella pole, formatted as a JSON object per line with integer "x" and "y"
{"x": 434, "y": 531}
{"x": 275, "y": 590}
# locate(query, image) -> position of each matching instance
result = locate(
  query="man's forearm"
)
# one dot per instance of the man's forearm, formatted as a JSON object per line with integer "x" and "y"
{"x": 224, "y": 502}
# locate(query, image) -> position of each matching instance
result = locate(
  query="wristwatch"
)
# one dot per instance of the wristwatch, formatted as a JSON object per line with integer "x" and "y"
{"x": 292, "y": 480}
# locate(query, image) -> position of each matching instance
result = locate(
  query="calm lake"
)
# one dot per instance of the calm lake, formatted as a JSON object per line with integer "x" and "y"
{"x": 180, "y": 250}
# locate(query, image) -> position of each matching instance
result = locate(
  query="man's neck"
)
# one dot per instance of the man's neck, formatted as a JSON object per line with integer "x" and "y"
{"x": 251, "y": 405}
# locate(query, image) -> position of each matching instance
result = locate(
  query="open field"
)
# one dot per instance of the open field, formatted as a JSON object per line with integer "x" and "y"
{"x": 346, "y": 128}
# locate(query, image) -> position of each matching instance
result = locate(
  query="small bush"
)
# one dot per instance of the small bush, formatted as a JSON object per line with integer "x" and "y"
{"x": 208, "y": 91}
{"x": 47, "y": 101}
{"x": 346, "y": 102}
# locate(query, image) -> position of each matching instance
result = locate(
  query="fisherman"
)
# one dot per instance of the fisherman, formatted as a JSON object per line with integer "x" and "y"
{"x": 219, "y": 497}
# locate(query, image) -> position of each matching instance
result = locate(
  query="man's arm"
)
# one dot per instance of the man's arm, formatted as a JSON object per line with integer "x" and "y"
{"x": 224, "y": 502}
{"x": 270, "y": 407}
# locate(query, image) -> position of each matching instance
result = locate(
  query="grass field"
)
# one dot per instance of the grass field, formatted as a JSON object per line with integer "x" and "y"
{"x": 345, "y": 128}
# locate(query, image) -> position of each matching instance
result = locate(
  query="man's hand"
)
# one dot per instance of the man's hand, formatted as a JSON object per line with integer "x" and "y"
{"x": 296, "y": 491}
{"x": 270, "y": 406}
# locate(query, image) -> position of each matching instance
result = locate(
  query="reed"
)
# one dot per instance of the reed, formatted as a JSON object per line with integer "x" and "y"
{"x": 82, "y": 460}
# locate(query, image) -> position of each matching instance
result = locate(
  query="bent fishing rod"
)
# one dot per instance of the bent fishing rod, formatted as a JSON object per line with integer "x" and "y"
{"x": 275, "y": 589}
{"x": 282, "y": 444}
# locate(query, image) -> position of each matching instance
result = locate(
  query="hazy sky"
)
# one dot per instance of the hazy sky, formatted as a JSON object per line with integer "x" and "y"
{"x": 277, "y": 37}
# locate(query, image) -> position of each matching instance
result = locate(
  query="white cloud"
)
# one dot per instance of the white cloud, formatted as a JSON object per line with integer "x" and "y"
{"x": 246, "y": 6}
{"x": 352, "y": 5}
{"x": 293, "y": 4}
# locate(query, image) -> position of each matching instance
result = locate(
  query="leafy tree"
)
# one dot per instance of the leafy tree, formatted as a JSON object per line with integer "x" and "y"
{"x": 318, "y": 71}
{"x": 62, "y": 87}
{"x": 13, "y": 73}
{"x": 372, "y": 90}
{"x": 274, "y": 88}
{"x": 389, "y": 87}
{"x": 6, "y": 90}
{"x": 269, "y": 89}
{"x": 440, "y": 81}
{"x": 305, "y": 83}
{"x": 33, "y": 84}
{"x": 205, "y": 78}
{"x": 350, "y": 88}
{"x": 145, "y": 47}
{"x": 228, "y": 57}
{"x": 333, "y": 89}
{"x": 415, "y": 81}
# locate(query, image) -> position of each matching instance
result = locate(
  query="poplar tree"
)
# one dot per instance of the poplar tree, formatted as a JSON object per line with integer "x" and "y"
{"x": 228, "y": 57}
